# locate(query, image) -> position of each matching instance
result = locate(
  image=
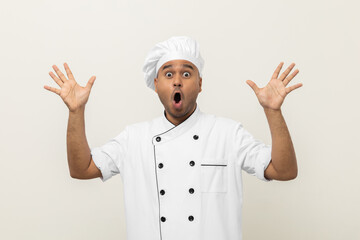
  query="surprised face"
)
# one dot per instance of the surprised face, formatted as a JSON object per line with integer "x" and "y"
{"x": 178, "y": 84}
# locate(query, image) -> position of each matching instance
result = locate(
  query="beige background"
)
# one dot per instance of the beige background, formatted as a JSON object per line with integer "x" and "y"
{"x": 239, "y": 40}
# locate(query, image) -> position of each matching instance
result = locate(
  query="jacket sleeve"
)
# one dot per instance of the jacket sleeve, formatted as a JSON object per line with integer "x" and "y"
{"x": 254, "y": 155}
{"x": 110, "y": 157}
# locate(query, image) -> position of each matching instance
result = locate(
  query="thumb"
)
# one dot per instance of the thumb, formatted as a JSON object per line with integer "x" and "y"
{"x": 253, "y": 86}
{"x": 90, "y": 83}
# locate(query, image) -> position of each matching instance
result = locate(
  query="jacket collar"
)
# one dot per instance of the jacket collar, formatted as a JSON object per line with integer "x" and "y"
{"x": 172, "y": 131}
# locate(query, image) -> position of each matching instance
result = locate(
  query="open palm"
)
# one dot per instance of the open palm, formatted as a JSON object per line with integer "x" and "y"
{"x": 273, "y": 94}
{"x": 74, "y": 95}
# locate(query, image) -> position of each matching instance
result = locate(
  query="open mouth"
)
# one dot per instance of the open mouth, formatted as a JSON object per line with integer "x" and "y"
{"x": 177, "y": 101}
{"x": 177, "y": 97}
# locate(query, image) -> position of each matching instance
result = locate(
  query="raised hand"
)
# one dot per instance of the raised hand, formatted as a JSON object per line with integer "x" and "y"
{"x": 74, "y": 96}
{"x": 273, "y": 94}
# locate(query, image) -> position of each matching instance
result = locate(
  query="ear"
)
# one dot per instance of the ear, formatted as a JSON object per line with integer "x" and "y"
{"x": 200, "y": 84}
{"x": 155, "y": 84}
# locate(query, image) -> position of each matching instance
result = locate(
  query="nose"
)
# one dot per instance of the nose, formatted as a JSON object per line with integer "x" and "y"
{"x": 177, "y": 82}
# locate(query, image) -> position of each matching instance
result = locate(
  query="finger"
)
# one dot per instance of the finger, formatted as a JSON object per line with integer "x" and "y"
{"x": 289, "y": 89}
{"x": 289, "y": 78}
{"x": 90, "y": 83}
{"x": 56, "y": 79}
{"x": 51, "y": 89}
{"x": 59, "y": 73}
{"x": 68, "y": 71}
{"x": 277, "y": 71}
{"x": 287, "y": 71}
{"x": 253, "y": 86}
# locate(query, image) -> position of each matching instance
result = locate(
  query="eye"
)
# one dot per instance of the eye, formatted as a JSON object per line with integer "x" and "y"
{"x": 186, "y": 74}
{"x": 168, "y": 74}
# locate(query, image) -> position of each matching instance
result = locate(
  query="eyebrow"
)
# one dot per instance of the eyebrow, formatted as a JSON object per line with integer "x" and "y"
{"x": 170, "y": 66}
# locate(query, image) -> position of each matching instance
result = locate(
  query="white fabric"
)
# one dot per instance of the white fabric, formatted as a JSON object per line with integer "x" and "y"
{"x": 180, "y": 47}
{"x": 223, "y": 149}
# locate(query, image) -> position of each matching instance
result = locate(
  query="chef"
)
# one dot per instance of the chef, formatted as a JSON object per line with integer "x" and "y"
{"x": 182, "y": 172}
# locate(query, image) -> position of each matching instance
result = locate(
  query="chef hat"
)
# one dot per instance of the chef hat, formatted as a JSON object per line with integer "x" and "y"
{"x": 180, "y": 47}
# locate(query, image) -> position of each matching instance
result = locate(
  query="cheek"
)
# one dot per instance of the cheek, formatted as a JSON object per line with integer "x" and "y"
{"x": 193, "y": 92}
{"x": 164, "y": 93}
{"x": 195, "y": 88}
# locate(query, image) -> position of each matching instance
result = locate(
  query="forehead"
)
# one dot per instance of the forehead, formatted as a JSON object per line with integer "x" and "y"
{"x": 179, "y": 63}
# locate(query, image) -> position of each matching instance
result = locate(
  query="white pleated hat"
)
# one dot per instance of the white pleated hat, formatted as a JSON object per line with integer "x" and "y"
{"x": 179, "y": 47}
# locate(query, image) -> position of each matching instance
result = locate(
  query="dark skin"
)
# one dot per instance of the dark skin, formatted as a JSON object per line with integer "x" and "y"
{"x": 183, "y": 77}
{"x": 283, "y": 165}
{"x": 179, "y": 76}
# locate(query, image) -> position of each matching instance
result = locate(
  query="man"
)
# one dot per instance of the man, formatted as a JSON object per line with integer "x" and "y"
{"x": 182, "y": 171}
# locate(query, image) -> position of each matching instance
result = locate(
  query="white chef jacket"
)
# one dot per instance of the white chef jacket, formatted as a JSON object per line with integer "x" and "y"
{"x": 183, "y": 182}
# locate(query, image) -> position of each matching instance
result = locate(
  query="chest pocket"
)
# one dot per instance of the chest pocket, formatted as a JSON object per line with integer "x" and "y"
{"x": 214, "y": 175}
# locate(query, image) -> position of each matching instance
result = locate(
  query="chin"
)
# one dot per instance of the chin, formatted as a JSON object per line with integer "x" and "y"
{"x": 178, "y": 113}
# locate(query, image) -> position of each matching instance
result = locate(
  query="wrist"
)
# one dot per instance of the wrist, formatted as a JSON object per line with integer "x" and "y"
{"x": 272, "y": 111}
{"x": 79, "y": 110}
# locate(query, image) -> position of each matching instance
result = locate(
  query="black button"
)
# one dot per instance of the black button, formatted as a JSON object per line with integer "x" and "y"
{"x": 192, "y": 163}
{"x": 161, "y": 165}
{"x": 158, "y": 139}
{"x": 191, "y": 218}
{"x": 162, "y": 192}
{"x": 196, "y": 137}
{"x": 191, "y": 190}
{"x": 163, "y": 219}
